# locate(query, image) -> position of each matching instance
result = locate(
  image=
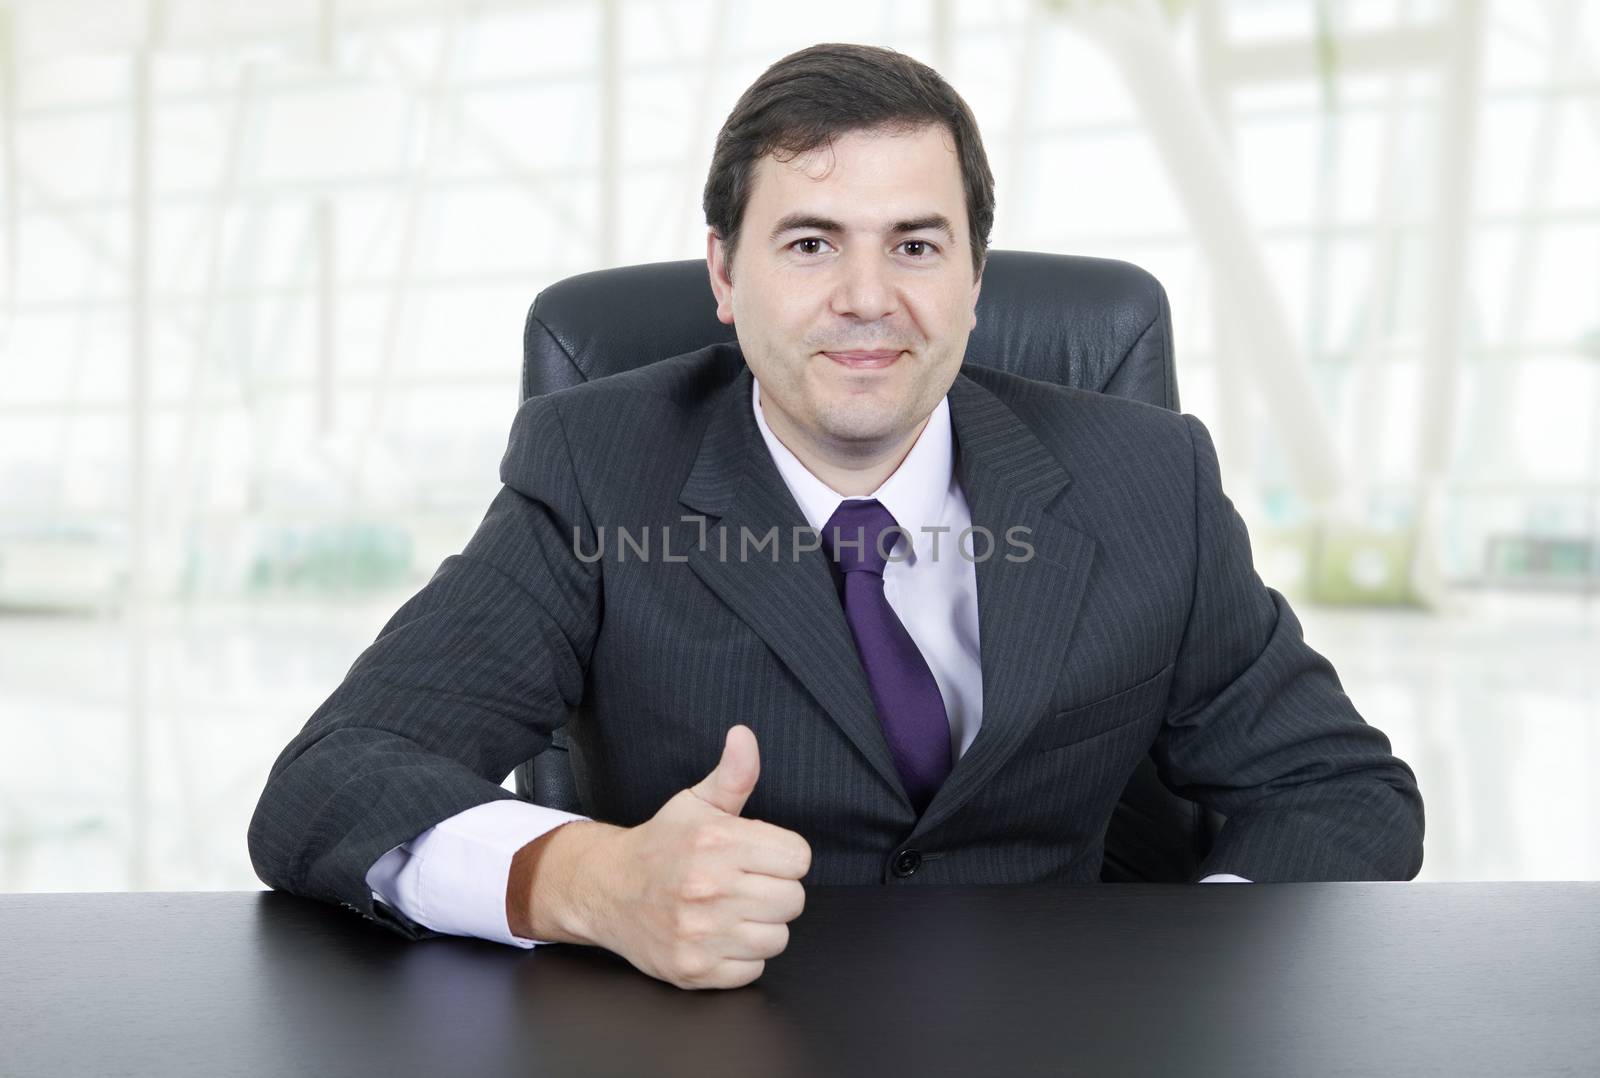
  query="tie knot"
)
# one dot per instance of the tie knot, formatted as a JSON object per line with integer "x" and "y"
{"x": 854, "y": 536}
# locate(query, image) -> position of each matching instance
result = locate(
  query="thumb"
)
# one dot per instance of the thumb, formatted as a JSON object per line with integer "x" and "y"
{"x": 731, "y": 781}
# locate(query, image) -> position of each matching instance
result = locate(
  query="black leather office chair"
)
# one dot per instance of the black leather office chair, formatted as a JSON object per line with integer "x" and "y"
{"x": 1087, "y": 322}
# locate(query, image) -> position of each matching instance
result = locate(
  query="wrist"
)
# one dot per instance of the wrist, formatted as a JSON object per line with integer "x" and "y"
{"x": 552, "y": 892}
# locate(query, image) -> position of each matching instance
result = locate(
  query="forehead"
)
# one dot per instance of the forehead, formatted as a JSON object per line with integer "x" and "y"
{"x": 864, "y": 178}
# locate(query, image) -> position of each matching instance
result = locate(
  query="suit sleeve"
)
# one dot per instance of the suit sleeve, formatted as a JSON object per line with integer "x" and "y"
{"x": 1259, "y": 729}
{"x": 468, "y": 679}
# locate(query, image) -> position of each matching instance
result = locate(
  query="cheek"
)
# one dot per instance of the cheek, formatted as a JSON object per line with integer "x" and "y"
{"x": 770, "y": 311}
{"x": 941, "y": 313}
{"x": 789, "y": 308}
{"x": 960, "y": 301}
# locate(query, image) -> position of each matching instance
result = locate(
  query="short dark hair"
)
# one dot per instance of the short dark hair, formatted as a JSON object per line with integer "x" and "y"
{"x": 810, "y": 97}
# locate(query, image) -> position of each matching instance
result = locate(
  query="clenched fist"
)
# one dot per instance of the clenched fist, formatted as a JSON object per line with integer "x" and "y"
{"x": 696, "y": 896}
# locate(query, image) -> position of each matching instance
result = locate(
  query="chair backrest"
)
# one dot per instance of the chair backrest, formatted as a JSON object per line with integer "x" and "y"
{"x": 1091, "y": 323}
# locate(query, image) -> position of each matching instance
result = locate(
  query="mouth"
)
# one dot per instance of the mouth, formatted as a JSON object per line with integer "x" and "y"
{"x": 865, "y": 360}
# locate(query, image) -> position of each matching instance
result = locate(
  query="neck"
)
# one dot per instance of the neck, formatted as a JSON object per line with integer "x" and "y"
{"x": 853, "y": 471}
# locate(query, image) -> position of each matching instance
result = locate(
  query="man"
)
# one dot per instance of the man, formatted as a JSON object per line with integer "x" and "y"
{"x": 892, "y": 699}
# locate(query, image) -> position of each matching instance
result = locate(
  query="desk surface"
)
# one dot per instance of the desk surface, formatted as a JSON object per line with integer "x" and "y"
{"x": 1235, "y": 979}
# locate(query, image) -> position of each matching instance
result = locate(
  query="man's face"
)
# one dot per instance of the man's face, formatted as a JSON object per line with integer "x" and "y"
{"x": 852, "y": 289}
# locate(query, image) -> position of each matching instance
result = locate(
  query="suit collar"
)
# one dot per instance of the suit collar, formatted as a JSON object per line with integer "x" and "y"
{"x": 914, "y": 494}
{"x": 991, "y": 442}
{"x": 1026, "y": 607}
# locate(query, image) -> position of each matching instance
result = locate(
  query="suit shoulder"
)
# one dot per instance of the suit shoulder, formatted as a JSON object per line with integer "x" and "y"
{"x": 686, "y": 380}
{"x": 633, "y": 422}
{"x": 1132, "y": 464}
{"x": 1068, "y": 415}
{"x": 663, "y": 391}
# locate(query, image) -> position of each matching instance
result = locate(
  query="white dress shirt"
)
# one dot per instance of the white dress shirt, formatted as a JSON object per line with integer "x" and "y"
{"x": 452, "y": 877}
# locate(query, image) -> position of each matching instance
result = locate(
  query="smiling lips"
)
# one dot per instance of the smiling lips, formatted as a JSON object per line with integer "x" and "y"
{"x": 865, "y": 360}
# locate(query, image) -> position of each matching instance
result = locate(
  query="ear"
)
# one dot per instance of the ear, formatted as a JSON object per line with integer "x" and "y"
{"x": 721, "y": 283}
{"x": 977, "y": 286}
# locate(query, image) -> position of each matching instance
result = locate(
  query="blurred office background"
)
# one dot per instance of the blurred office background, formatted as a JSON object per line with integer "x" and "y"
{"x": 263, "y": 270}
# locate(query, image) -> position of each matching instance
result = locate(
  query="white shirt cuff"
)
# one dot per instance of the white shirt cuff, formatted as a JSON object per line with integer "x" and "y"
{"x": 1225, "y": 877}
{"x": 452, "y": 878}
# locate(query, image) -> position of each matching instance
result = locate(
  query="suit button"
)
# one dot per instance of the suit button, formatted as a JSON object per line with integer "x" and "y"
{"x": 907, "y": 862}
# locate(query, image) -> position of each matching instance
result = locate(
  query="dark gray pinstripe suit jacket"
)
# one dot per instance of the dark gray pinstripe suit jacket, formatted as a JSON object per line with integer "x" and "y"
{"x": 1138, "y": 626}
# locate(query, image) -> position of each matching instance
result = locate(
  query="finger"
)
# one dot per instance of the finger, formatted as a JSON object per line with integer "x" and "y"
{"x": 731, "y": 973}
{"x": 771, "y": 850}
{"x": 752, "y": 940}
{"x": 729, "y": 784}
{"x": 766, "y": 899}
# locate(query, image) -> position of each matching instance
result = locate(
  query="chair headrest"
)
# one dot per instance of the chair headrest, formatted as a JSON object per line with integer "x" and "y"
{"x": 1090, "y": 323}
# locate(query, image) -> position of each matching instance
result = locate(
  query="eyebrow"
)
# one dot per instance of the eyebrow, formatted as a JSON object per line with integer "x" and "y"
{"x": 794, "y": 221}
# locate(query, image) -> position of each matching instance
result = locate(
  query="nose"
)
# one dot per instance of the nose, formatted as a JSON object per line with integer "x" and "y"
{"x": 863, "y": 288}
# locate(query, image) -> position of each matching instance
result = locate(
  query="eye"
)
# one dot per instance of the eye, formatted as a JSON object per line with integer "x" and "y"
{"x": 808, "y": 240}
{"x": 924, "y": 248}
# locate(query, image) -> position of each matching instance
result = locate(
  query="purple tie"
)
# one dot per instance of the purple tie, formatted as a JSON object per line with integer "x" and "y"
{"x": 909, "y": 705}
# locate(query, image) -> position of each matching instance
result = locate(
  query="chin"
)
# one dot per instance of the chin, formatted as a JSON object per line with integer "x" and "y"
{"x": 858, "y": 424}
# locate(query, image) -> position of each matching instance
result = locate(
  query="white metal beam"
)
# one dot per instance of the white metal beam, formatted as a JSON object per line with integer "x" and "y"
{"x": 8, "y": 150}
{"x": 703, "y": 128}
{"x": 1236, "y": 402}
{"x": 1444, "y": 314}
{"x": 1399, "y": 49}
{"x": 1201, "y": 173}
{"x": 610, "y": 132}
{"x": 440, "y": 126}
{"x": 136, "y": 612}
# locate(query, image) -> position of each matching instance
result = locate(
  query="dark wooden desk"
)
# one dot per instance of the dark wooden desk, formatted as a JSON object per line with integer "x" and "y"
{"x": 1285, "y": 979}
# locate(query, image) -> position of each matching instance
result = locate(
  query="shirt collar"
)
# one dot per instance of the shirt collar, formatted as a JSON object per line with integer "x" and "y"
{"x": 914, "y": 494}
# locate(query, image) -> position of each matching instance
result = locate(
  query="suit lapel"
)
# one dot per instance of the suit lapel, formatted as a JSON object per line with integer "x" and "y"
{"x": 1026, "y": 609}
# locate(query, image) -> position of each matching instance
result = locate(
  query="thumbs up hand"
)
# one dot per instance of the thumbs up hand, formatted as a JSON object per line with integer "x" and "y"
{"x": 697, "y": 895}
